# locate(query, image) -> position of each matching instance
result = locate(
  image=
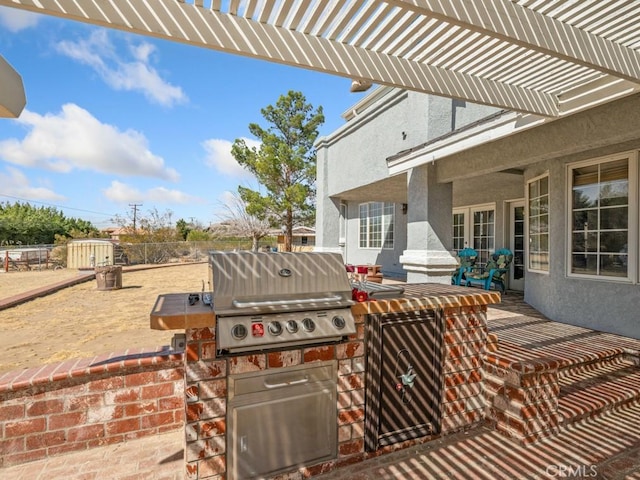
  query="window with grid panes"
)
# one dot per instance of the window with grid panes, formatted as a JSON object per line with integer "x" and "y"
{"x": 600, "y": 218}
{"x": 538, "y": 210}
{"x": 376, "y": 228}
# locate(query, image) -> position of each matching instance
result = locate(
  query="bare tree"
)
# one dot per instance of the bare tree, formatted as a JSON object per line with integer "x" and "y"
{"x": 237, "y": 221}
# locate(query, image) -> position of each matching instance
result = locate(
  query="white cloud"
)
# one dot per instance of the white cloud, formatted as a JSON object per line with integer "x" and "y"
{"x": 219, "y": 157}
{"x": 135, "y": 74}
{"x": 16, "y": 184}
{"x": 74, "y": 139}
{"x": 161, "y": 194}
{"x": 122, "y": 193}
{"x": 15, "y": 20}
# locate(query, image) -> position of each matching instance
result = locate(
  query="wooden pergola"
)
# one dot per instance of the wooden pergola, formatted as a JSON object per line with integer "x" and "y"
{"x": 548, "y": 58}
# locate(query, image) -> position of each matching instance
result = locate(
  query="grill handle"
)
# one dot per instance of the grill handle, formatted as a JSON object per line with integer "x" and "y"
{"x": 287, "y": 384}
{"x": 276, "y": 303}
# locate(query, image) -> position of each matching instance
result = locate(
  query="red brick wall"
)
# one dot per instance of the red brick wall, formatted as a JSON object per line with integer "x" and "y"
{"x": 465, "y": 339}
{"x": 522, "y": 397}
{"x": 206, "y": 390}
{"x": 206, "y": 397}
{"x": 79, "y": 404}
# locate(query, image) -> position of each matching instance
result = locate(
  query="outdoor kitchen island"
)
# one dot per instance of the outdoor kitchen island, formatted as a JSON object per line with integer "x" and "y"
{"x": 410, "y": 372}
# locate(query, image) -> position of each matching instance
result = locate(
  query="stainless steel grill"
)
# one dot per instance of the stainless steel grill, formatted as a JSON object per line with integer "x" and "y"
{"x": 277, "y": 300}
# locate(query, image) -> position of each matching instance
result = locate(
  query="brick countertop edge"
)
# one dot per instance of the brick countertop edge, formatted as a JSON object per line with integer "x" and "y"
{"x": 16, "y": 380}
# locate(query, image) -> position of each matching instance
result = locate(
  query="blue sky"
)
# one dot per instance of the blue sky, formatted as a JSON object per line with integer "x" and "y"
{"x": 114, "y": 119}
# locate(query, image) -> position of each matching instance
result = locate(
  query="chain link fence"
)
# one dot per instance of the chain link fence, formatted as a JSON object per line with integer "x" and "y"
{"x": 39, "y": 257}
{"x": 174, "y": 252}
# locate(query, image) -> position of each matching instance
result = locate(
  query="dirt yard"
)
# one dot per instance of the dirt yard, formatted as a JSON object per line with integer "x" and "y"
{"x": 82, "y": 321}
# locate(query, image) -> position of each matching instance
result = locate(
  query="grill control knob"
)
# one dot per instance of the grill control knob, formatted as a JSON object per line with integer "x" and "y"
{"x": 292, "y": 326}
{"x": 275, "y": 328}
{"x": 338, "y": 322}
{"x": 308, "y": 324}
{"x": 239, "y": 331}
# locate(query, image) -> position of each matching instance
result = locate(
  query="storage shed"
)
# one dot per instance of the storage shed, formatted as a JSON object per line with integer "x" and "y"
{"x": 89, "y": 253}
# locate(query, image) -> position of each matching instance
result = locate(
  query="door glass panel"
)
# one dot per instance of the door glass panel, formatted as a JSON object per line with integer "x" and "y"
{"x": 518, "y": 243}
{"x": 483, "y": 231}
{"x": 538, "y": 208}
{"x": 458, "y": 231}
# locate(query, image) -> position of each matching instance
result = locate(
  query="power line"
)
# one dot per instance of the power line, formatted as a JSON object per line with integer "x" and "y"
{"x": 57, "y": 206}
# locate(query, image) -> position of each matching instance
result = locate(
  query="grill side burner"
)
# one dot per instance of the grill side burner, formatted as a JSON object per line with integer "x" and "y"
{"x": 276, "y": 300}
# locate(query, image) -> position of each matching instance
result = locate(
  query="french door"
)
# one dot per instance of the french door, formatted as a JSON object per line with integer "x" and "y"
{"x": 475, "y": 227}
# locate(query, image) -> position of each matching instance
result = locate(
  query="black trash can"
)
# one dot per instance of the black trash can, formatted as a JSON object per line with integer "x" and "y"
{"x": 109, "y": 277}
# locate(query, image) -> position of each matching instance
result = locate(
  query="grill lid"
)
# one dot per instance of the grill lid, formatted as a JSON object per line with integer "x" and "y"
{"x": 247, "y": 283}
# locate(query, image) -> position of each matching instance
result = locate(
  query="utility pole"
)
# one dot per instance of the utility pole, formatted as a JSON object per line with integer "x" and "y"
{"x": 135, "y": 206}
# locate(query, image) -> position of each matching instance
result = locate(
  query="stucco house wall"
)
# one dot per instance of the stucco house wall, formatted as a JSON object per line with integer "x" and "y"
{"x": 605, "y": 305}
{"x": 352, "y": 166}
{"x": 356, "y": 153}
{"x": 353, "y": 169}
{"x": 388, "y": 258}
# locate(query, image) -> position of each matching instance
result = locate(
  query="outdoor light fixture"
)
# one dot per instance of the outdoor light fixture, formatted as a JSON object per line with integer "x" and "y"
{"x": 360, "y": 85}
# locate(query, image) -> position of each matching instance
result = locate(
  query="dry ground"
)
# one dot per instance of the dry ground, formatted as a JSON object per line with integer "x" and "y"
{"x": 82, "y": 321}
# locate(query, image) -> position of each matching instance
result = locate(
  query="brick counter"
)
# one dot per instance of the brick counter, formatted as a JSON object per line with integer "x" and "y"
{"x": 206, "y": 376}
{"x": 84, "y": 403}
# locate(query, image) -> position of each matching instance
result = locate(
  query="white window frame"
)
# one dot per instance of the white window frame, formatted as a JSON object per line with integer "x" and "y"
{"x": 387, "y": 221}
{"x": 527, "y": 224}
{"x": 342, "y": 233}
{"x": 632, "y": 239}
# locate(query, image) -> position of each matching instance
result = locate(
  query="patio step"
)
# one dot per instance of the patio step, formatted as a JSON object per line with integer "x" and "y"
{"x": 587, "y": 390}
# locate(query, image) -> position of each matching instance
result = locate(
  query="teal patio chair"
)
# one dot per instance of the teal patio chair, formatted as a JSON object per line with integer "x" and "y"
{"x": 493, "y": 273}
{"x": 467, "y": 258}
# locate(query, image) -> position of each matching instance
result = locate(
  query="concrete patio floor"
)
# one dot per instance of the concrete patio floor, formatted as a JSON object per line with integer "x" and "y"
{"x": 604, "y": 447}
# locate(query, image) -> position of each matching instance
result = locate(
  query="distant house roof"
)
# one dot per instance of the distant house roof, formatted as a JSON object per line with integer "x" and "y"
{"x": 116, "y": 230}
{"x": 298, "y": 231}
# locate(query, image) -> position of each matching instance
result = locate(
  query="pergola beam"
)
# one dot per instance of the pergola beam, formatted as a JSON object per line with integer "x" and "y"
{"x": 521, "y": 26}
{"x": 195, "y": 25}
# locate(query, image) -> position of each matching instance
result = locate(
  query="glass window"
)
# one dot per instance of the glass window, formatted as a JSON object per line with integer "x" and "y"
{"x": 538, "y": 206}
{"x": 599, "y": 219}
{"x": 342, "y": 235}
{"x": 376, "y": 225}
